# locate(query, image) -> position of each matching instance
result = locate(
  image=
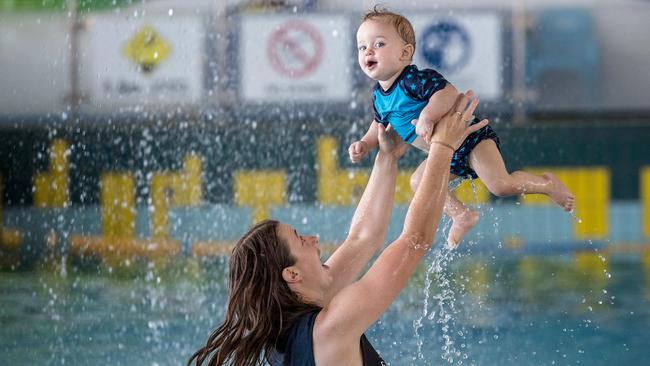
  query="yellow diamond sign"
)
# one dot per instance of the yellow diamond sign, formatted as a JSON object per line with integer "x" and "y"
{"x": 147, "y": 49}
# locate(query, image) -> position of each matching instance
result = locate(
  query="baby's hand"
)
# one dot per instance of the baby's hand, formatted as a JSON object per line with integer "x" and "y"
{"x": 424, "y": 126}
{"x": 357, "y": 151}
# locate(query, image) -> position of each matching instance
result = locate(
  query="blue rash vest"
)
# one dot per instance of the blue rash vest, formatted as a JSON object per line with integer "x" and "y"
{"x": 404, "y": 101}
{"x": 406, "y": 98}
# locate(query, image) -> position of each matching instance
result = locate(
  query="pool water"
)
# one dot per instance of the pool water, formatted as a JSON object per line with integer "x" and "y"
{"x": 457, "y": 310}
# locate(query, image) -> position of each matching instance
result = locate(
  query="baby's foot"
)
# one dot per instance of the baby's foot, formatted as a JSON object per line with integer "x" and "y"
{"x": 559, "y": 193}
{"x": 462, "y": 223}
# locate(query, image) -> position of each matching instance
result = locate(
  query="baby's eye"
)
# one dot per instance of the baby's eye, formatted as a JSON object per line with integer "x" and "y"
{"x": 362, "y": 48}
{"x": 379, "y": 44}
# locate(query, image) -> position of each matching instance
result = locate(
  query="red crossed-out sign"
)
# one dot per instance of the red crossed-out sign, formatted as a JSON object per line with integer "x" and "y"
{"x": 295, "y": 49}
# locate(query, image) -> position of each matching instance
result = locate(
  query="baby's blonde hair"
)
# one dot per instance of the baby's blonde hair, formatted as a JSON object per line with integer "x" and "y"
{"x": 402, "y": 25}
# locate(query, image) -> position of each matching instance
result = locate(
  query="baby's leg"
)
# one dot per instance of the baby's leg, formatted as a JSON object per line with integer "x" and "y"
{"x": 486, "y": 160}
{"x": 463, "y": 218}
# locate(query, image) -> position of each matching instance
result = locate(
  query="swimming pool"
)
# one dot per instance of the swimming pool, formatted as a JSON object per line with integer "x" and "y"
{"x": 482, "y": 309}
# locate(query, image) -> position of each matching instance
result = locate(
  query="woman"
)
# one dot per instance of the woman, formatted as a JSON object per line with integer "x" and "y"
{"x": 288, "y": 308}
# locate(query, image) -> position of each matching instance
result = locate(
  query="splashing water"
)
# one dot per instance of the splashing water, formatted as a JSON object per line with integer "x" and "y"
{"x": 575, "y": 217}
{"x": 443, "y": 302}
{"x": 442, "y": 316}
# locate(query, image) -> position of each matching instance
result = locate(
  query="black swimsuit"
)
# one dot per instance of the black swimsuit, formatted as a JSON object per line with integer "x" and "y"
{"x": 297, "y": 348}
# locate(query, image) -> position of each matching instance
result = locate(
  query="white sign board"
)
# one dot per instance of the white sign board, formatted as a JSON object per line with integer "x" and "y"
{"x": 35, "y": 63}
{"x": 295, "y": 58}
{"x": 145, "y": 61}
{"x": 466, "y": 49}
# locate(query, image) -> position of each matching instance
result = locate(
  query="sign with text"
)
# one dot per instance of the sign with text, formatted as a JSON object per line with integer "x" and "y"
{"x": 466, "y": 48}
{"x": 291, "y": 58}
{"x": 155, "y": 60}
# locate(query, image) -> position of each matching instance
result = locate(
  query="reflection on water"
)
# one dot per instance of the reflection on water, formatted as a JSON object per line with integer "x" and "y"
{"x": 560, "y": 310}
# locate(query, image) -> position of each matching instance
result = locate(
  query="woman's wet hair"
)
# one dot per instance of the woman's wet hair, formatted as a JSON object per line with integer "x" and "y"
{"x": 261, "y": 306}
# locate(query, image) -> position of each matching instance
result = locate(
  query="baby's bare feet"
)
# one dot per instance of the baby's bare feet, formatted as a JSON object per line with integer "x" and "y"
{"x": 461, "y": 225}
{"x": 559, "y": 193}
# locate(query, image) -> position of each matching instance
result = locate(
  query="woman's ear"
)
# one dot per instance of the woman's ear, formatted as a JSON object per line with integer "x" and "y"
{"x": 407, "y": 52}
{"x": 291, "y": 275}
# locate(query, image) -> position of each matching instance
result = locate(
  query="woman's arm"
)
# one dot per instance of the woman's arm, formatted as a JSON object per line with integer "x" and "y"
{"x": 372, "y": 215}
{"x": 357, "y": 306}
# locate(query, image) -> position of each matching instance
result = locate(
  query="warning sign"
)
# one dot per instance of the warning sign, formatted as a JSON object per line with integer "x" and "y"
{"x": 296, "y": 49}
{"x": 147, "y": 49}
{"x": 138, "y": 63}
{"x": 297, "y": 59}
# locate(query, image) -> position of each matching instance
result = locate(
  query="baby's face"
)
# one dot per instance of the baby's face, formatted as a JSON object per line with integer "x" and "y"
{"x": 381, "y": 50}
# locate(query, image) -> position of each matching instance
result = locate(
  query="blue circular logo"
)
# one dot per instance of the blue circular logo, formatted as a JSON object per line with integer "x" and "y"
{"x": 446, "y": 46}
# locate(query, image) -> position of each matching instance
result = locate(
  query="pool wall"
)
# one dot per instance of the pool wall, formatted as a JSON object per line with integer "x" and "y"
{"x": 194, "y": 190}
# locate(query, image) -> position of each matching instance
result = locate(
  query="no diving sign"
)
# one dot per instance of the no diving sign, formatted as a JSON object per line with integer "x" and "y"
{"x": 295, "y": 49}
{"x": 291, "y": 58}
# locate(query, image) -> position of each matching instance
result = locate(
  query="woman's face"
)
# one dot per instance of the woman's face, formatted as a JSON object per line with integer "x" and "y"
{"x": 306, "y": 252}
{"x": 303, "y": 248}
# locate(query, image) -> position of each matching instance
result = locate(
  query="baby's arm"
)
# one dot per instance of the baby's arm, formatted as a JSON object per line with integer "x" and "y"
{"x": 439, "y": 104}
{"x": 369, "y": 141}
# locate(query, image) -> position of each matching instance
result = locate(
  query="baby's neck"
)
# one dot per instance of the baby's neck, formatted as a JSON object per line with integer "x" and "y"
{"x": 386, "y": 84}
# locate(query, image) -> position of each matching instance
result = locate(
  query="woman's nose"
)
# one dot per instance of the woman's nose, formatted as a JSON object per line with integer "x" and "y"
{"x": 313, "y": 239}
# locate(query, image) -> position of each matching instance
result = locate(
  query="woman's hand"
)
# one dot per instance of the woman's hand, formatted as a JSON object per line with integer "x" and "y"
{"x": 390, "y": 142}
{"x": 452, "y": 129}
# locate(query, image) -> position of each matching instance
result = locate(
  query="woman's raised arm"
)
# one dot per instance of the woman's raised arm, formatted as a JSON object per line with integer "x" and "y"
{"x": 370, "y": 220}
{"x": 357, "y": 306}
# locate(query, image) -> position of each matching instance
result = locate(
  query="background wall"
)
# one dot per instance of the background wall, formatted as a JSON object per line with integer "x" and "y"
{"x": 38, "y": 70}
{"x": 188, "y": 121}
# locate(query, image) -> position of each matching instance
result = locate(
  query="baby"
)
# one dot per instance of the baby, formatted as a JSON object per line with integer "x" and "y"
{"x": 412, "y": 101}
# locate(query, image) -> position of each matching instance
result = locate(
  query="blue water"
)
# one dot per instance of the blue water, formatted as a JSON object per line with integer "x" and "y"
{"x": 480, "y": 310}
